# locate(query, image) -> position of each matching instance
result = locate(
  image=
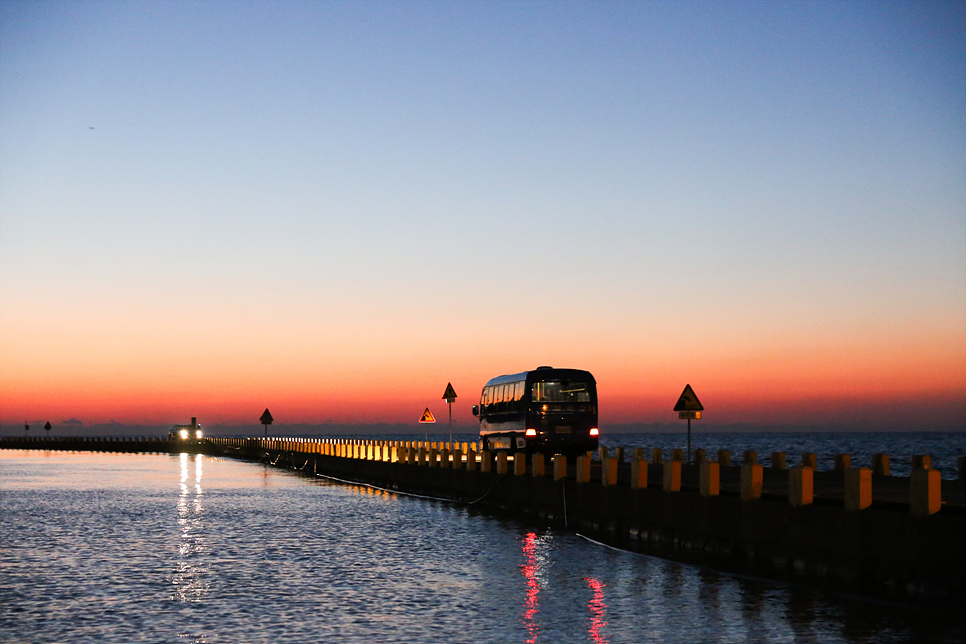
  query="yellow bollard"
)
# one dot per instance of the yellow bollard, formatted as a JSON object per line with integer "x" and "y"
{"x": 724, "y": 458}
{"x": 520, "y": 463}
{"x": 608, "y": 471}
{"x": 433, "y": 457}
{"x": 809, "y": 459}
{"x": 638, "y": 453}
{"x": 925, "y": 492}
{"x": 750, "y": 456}
{"x": 778, "y": 460}
{"x": 583, "y": 469}
{"x": 457, "y": 457}
{"x": 672, "y": 476}
{"x": 471, "y": 459}
{"x": 858, "y": 488}
{"x": 639, "y": 472}
{"x": 677, "y": 455}
{"x": 800, "y": 485}
{"x": 421, "y": 457}
{"x": 559, "y": 467}
{"x": 710, "y": 482}
{"x": 602, "y": 453}
{"x": 751, "y": 478}
{"x": 538, "y": 468}
{"x": 700, "y": 456}
{"x": 444, "y": 458}
{"x": 501, "y": 462}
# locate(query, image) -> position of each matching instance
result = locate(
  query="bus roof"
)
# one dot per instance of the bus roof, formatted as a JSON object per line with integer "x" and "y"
{"x": 541, "y": 374}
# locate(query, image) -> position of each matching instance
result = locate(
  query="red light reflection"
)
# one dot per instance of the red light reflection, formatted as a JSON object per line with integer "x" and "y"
{"x": 529, "y": 569}
{"x": 597, "y": 608}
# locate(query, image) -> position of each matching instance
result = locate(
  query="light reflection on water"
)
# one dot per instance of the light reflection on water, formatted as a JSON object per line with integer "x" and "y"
{"x": 115, "y": 547}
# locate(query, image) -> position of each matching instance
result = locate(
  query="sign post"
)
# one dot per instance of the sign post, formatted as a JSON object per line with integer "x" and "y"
{"x": 450, "y": 397}
{"x": 47, "y": 427}
{"x": 688, "y": 406}
{"x": 266, "y": 420}
{"x": 26, "y": 428}
{"x": 427, "y": 418}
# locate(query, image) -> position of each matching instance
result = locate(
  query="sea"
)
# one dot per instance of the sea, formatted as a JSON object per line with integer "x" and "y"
{"x": 102, "y": 547}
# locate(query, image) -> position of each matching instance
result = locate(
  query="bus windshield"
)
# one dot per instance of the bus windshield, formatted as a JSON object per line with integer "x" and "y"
{"x": 561, "y": 392}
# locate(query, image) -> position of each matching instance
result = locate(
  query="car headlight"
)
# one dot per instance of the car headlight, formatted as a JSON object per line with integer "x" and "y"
{"x": 198, "y": 434}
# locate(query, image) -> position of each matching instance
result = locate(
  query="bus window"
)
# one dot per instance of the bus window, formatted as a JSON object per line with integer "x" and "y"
{"x": 518, "y": 390}
{"x": 561, "y": 392}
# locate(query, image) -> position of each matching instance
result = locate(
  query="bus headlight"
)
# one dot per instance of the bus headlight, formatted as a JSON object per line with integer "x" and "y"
{"x": 198, "y": 434}
{"x": 183, "y": 434}
{"x": 594, "y": 431}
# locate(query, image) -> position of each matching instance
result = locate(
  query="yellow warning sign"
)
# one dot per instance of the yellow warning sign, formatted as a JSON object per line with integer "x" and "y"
{"x": 427, "y": 417}
{"x": 688, "y": 401}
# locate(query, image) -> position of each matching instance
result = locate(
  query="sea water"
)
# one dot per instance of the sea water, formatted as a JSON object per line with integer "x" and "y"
{"x": 99, "y": 547}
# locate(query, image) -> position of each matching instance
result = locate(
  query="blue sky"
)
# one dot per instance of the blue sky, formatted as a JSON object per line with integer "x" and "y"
{"x": 379, "y": 186}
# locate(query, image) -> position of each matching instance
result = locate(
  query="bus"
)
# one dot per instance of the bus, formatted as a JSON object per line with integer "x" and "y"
{"x": 547, "y": 410}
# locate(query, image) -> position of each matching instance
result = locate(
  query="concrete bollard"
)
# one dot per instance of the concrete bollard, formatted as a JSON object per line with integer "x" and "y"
{"x": 700, "y": 456}
{"x": 457, "y": 457}
{"x": 921, "y": 462}
{"x": 538, "y": 466}
{"x": 421, "y": 456}
{"x": 608, "y": 472}
{"x": 751, "y": 478}
{"x": 520, "y": 464}
{"x": 471, "y": 459}
{"x": 619, "y": 454}
{"x": 433, "y": 457}
{"x": 677, "y": 455}
{"x": 724, "y": 458}
{"x": 559, "y": 467}
{"x": 639, "y": 472}
{"x": 501, "y": 463}
{"x": 583, "y": 469}
{"x": 398, "y": 454}
{"x": 925, "y": 492}
{"x": 710, "y": 478}
{"x": 444, "y": 459}
{"x": 842, "y": 462}
{"x": 412, "y": 456}
{"x": 809, "y": 459}
{"x": 880, "y": 464}
{"x": 801, "y": 485}
{"x": 486, "y": 461}
{"x": 858, "y": 488}
{"x": 778, "y": 460}
{"x": 638, "y": 453}
{"x": 657, "y": 456}
{"x": 750, "y": 456}
{"x": 602, "y": 453}
{"x": 672, "y": 476}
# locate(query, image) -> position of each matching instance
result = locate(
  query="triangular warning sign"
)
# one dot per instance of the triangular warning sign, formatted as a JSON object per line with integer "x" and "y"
{"x": 427, "y": 417}
{"x": 688, "y": 401}
{"x": 450, "y": 392}
{"x": 266, "y": 418}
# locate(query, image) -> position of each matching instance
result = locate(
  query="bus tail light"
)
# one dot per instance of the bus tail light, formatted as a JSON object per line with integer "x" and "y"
{"x": 531, "y": 432}
{"x": 594, "y": 431}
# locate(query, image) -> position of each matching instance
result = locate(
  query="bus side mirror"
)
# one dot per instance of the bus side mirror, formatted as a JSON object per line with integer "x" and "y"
{"x": 476, "y": 410}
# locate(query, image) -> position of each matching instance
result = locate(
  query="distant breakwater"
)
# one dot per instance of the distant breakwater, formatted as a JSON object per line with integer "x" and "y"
{"x": 853, "y": 529}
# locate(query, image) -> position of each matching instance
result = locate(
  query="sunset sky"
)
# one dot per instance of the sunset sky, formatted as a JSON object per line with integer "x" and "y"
{"x": 332, "y": 209}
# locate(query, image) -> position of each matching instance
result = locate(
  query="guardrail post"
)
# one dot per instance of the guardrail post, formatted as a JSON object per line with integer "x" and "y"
{"x": 810, "y": 459}
{"x": 520, "y": 463}
{"x": 842, "y": 462}
{"x": 751, "y": 478}
{"x": 501, "y": 462}
{"x": 800, "y": 485}
{"x": 777, "y": 460}
{"x": 639, "y": 472}
{"x": 559, "y": 467}
{"x": 710, "y": 478}
{"x": 858, "y": 488}
{"x": 608, "y": 471}
{"x": 672, "y": 476}
{"x": 538, "y": 466}
{"x": 880, "y": 464}
{"x": 657, "y": 456}
{"x": 583, "y": 469}
{"x": 925, "y": 492}
{"x": 724, "y": 458}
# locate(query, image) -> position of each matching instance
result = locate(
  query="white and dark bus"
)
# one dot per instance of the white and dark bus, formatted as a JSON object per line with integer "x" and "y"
{"x": 547, "y": 410}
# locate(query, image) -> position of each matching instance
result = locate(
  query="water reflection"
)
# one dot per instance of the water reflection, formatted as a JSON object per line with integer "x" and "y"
{"x": 530, "y": 605}
{"x": 597, "y": 609}
{"x": 190, "y": 577}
